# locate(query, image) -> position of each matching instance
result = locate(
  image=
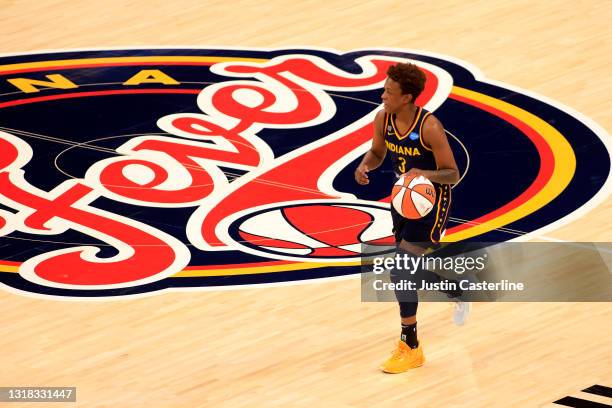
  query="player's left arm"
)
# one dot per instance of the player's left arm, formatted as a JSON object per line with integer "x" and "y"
{"x": 435, "y": 138}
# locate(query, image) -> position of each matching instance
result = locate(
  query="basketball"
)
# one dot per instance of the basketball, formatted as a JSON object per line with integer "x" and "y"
{"x": 413, "y": 196}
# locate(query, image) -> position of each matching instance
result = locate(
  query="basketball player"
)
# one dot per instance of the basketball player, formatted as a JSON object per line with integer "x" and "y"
{"x": 424, "y": 151}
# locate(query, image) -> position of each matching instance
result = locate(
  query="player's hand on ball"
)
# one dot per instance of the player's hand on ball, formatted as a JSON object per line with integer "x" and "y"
{"x": 414, "y": 172}
{"x": 361, "y": 174}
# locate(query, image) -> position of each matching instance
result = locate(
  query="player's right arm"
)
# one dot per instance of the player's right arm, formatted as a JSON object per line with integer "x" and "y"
{"x": 375, "y": 156}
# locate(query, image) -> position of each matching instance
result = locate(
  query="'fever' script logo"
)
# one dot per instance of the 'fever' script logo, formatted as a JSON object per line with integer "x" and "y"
{"x": 139, "y": 170}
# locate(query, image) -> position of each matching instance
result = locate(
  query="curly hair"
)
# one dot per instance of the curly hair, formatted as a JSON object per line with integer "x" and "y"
{"x": 410, "y": 78}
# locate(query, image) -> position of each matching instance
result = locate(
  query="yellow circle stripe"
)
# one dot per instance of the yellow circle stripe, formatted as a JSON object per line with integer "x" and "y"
{"x": 563, "y": 169}
{"x": 122, "y": 60}
{"x": 261, "y": 269}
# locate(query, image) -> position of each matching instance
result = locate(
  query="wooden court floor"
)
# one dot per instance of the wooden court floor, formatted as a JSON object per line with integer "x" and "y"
{"x": 317, "y": 344}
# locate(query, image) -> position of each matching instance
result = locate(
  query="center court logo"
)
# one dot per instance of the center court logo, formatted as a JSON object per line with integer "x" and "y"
{"x": 158, "y": 169}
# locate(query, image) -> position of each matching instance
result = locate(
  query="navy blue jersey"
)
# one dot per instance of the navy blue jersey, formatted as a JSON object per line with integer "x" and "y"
{"x": 408, "y": 150}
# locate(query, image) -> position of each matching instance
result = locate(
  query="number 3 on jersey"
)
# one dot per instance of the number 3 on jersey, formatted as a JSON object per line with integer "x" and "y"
{"x": 402, "y": 165}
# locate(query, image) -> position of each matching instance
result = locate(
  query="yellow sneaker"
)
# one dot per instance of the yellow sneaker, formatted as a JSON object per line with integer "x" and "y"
{"x": 403, "y": 359}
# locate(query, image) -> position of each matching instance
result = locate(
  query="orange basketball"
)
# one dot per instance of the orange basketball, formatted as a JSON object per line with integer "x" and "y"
{"x": 413, "y": 196}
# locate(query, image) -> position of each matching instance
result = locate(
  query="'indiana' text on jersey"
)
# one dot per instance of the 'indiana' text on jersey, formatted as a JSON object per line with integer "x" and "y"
{"x": 407, "y": 149}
